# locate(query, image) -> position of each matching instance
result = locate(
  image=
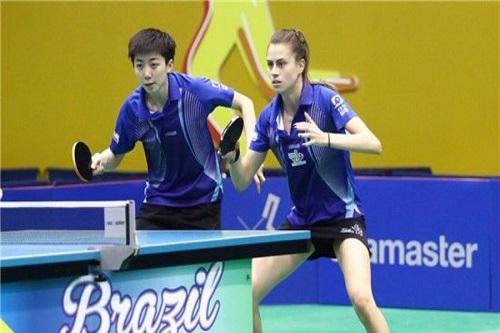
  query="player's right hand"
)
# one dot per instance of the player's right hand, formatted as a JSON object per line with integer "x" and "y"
{"x": 97, "y": 164}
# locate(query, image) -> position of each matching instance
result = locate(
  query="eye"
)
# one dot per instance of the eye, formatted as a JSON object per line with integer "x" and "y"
{"x": 138, "y": 66}
{"x": 269, "y": 64}
{"x": 154, "y": 65}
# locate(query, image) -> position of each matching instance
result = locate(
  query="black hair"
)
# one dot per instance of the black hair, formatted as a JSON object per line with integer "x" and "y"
{"x": 151, "y": 40}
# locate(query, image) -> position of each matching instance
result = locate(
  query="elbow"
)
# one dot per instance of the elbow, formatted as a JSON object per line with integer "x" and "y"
{"x": 240, "y": 183}
{"x": 373, "y": 146}
{"x": 247, "y": 105}
{"x": 240, "y": 186}
{"x": 246, "y": 100}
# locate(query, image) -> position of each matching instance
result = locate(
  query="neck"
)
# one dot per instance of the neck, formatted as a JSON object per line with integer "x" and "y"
{"x": 156, "y": 100}
{"x": 291, "y": 97}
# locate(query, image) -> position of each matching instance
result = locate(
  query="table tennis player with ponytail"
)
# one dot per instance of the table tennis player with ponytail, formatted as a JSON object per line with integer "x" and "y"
{"x": 312, "y": 130}
{"x": 168, "y": 113}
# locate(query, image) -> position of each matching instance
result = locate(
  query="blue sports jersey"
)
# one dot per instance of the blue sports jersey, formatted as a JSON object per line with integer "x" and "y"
{"x": 320, "y": 179}
{"x": 183, "y": 169}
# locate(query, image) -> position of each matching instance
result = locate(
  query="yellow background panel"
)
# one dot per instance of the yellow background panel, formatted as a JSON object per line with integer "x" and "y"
{"x": 429, "y": 75}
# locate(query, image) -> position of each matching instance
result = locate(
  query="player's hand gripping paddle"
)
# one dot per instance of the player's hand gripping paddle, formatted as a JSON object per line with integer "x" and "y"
{"x": 230, "y": 137}
{"x": 82, "y": 159}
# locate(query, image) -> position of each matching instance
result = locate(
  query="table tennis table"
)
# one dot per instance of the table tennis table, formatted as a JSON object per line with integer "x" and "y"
{"x": 171, "y": 281}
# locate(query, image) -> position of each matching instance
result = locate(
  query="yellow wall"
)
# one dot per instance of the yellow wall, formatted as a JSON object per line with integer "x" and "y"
{"x": 429, "y": 75}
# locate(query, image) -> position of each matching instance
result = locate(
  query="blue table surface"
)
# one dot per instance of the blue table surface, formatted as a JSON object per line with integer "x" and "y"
{"x": 149, "y": 242}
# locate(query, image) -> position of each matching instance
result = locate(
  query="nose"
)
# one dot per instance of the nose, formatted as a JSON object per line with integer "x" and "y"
{"x": 274, "y": 70}
{"x": 147, "y": 73}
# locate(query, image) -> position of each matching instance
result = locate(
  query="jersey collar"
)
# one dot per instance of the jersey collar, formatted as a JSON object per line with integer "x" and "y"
{"x": 306, "y": 99}
{"x": 173, "y": 96}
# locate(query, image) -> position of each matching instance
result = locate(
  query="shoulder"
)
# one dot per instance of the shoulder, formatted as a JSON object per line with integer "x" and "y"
{"x": 205, "y": 89}
{"x": 323, "y": 92}
{"x": 132, "y": 105}
{"x": 267, "y": 116}
{"x": 182, "y": 80}
{"x": 192, "y": 82}
{"x": 133, "y": 100}
{"x": 268, "y": 110}
{"x": 326, "y": 96}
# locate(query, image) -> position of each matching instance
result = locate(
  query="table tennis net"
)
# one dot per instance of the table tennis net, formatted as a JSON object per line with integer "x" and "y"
{"x": 67, "y": 222}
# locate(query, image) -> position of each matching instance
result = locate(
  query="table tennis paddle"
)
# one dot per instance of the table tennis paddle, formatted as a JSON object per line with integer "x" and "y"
{"x": 82, "y": 159}
{"x": 230, "y": 136}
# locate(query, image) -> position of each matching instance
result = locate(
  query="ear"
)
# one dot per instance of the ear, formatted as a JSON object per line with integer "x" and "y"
{"x": 302, "y": 65}
{"x": 170, "y": 65}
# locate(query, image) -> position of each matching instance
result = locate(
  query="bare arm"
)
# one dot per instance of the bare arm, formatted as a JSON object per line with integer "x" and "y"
{"x": 105, "y": 161}
{"x": 245, "y": 106}
{"x": 245, "y": 168}
{"x": 359, "y": 137}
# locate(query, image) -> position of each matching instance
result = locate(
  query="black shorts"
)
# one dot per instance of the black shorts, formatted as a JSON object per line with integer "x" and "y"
{"x": 325, "y": 233}
{"x": 201, "y": 217}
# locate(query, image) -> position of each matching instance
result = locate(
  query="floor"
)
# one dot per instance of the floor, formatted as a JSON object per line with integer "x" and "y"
{"x": 323, "y": 318}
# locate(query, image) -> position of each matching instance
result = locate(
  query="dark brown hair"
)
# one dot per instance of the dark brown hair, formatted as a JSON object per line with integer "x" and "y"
{"x": 297, "y": 41}
{"x": 151, "y": 41}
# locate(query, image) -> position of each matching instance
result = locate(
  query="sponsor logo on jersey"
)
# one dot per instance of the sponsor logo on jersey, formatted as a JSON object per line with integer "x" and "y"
{"x": 297, "y": 158}
{"x": 339, "y": 104}
{"x": 218, "y": 85}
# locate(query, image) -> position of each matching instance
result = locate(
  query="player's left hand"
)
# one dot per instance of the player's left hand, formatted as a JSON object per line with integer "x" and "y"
{"x": 259, "y": 178}
{"x": 310, "y": 132}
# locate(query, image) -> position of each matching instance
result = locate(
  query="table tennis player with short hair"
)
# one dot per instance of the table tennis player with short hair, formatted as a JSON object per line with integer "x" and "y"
{"x": 168, "y": 113}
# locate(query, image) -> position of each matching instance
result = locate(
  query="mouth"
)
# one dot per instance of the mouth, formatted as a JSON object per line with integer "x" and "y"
{"x": 149, "y": 85}
{"x": 276, "y": 83}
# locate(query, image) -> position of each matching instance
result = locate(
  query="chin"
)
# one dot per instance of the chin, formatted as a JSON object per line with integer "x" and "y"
{"x": 279, "y": 89}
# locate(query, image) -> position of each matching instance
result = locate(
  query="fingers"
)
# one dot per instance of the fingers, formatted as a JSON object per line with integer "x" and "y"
{"x": 308, "y": 124}
{"x": 308, "y": 118}
{"x": 303, "y": 130}
{"x": 308, "y": 143}
{"x": 301, "y": 126}
{"x": 96, "y": 160}
{"x": 309, "y": 131}
{"x": 97, "y": 164}
{"x": 230, "y": 157}
{"x": 257, "y": 183}
{"x": 259, "y": 178}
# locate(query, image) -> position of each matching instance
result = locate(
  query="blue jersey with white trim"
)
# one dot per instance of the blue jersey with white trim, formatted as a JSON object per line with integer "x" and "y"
{"x": 183, "y": 168}
{"x": 320, "y": 179}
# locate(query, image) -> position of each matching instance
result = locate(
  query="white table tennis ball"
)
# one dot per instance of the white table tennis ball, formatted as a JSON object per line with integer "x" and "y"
{"x": 1, "y": 194}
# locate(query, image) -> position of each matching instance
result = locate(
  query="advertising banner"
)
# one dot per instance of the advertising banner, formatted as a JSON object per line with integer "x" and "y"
{"x": 212, "y": 297}
{"x": 430, "y": 240}
{"x": 435, "y": 242}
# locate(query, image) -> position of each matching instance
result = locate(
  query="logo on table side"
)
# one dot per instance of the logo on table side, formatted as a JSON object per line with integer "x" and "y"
{"x": 170, "y": 310}
{"x": 297, "y": 158}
